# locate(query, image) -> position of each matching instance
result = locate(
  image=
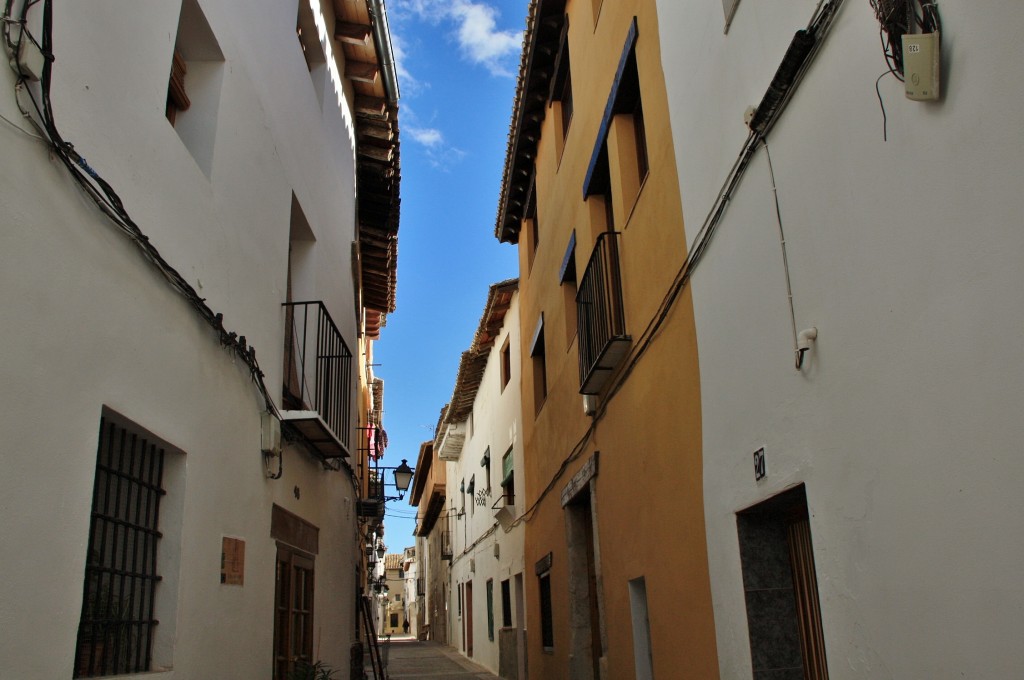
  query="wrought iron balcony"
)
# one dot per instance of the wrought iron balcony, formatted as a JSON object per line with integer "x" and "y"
{"x": 317, "y": 379}
{"x": 602, "y": 337}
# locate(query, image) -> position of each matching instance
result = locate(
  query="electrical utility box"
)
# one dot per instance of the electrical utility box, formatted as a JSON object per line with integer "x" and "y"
{"x": 921, "y": 66}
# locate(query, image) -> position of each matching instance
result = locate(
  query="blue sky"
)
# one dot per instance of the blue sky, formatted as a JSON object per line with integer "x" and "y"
{"x": 457, "y": 61}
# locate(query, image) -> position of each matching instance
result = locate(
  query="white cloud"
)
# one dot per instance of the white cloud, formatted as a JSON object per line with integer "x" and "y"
{"x": 429, "y": 137}
{"x": 443, "y": 159}
{"x": 476, "y": 30}
{"x": 480, "y": 38}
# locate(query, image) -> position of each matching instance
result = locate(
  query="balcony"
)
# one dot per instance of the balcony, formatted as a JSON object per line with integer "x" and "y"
{"x": 317, "y": 395}
{"x": 603, "y": 341}
{"x": 372, "y": 507}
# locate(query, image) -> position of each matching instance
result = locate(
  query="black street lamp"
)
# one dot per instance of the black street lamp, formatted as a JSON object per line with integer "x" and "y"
{"x": 403, "y": 478}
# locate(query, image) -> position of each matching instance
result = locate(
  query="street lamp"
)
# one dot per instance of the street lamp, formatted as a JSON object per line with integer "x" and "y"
{"x": 403, "y": 478}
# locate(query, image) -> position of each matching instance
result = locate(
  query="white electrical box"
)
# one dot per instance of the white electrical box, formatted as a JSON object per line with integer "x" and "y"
{"x": 270, "y": 435}
{"x": 921, "y": 65}
{"x": 30, "y": 60}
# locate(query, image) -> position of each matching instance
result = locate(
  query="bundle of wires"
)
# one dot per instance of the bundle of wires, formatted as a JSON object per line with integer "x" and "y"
{"x": 98, "y": 189}
{"x": 899, "y": 17}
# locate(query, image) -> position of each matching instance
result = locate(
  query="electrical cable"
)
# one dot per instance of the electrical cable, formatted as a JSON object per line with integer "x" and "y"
{"x": 894, "y": 24}
{"x": 104, "y": 195}
{"x": 885, "y": 119}
{"x": 799, "y": 354}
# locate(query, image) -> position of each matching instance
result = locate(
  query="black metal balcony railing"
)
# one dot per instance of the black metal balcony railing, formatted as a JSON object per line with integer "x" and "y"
{"x": 318, "y": 367}
{"x": 601, "y": 326}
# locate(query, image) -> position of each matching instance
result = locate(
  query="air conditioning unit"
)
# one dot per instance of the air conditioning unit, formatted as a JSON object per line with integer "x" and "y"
{"x": 505, "y": 516}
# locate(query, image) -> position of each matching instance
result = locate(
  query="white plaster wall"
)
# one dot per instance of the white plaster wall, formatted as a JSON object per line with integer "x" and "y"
{"x": 906, "y": 256}
{"x": 496, "y": 414}
{"x": 87, "y": 323}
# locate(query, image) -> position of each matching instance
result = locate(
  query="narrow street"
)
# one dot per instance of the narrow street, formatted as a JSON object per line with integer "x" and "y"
{"x": 413, "y": 660}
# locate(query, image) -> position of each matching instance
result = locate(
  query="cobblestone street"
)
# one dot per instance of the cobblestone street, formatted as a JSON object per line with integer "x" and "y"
{"x": 409, "y": 659}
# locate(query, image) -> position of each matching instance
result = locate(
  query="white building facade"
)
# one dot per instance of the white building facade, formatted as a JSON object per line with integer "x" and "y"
{"x": 889, "y": 456}
{"x": 170, "y": 506}
{"x": 478, "y": 437}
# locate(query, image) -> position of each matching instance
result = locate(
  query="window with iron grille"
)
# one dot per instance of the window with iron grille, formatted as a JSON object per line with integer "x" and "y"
{"x": 118, "y": 621}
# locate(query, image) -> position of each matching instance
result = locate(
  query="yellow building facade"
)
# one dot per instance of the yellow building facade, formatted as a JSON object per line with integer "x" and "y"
{"x": 617, "y": 580}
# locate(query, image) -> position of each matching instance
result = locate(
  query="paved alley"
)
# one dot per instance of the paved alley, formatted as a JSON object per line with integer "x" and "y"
{"x": 414, "y": 660}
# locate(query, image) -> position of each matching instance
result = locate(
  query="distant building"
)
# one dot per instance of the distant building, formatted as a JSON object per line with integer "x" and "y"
{"x": 413, "y": 593}
{"x": 194, "y": 267}
{"x": 479, "y": 440}
{"x": 392, "y": 596}
{"x": 433, "y": 541}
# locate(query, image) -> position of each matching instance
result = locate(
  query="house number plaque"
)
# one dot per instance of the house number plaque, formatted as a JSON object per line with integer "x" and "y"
{"x": 760, "y": 470}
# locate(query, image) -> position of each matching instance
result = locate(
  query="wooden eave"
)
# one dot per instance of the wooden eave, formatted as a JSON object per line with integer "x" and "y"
{"x": 378, "y": 162}
{"x": 544, "y": 24}
{"x": 473, "y": 362}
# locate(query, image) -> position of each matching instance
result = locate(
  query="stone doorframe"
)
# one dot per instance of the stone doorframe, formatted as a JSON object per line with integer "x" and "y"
{"x": 579, "y": 501}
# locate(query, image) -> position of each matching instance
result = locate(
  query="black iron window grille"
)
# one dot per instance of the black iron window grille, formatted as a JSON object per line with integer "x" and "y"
{"x": 318, "y": 367}
{"x": 601, "y": 321}
{"x": 117, "y": 625}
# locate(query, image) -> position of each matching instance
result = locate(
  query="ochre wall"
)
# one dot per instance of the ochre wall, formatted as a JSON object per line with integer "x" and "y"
{"x": 648, "y": 487}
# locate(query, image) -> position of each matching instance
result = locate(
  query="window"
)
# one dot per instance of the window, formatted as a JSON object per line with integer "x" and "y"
{"x": 312, "y": 49}
{"x": 561, "y": 87}
{"x": 490, "y": 609}
{"x": 508, "y": 484}
{"x": 567, "y": 279}
{"x": 781, "y": 588}
{"x": 471, "y": 492}
{"x": 643, "y": 662}
{"x": 506, "y": 363}
{"x": 118, "y": 621}
{"x": 540, "y": 376}
{"x": 177, "y": 97}
{"x": 506, "y": 604}
{"x": 195, "y": 83}
{"x": 530, "y": 219}
{"x": 394, "y": 620}
{"x": 547, "y": 631}
{"x": 640, "y": 139}
{"x": 485, "y": 462}
{"x": 622, "y": 138}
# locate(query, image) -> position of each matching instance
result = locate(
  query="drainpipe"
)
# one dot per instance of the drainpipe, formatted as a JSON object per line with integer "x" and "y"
{"x": 382, "y": 39}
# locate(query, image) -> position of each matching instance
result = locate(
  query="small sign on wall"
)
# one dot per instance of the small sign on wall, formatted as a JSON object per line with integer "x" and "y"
{"x": 760, "y": 469}
{"x": 232, "y": 561}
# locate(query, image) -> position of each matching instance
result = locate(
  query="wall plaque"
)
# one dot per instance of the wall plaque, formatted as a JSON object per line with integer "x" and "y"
{"x": 232, "y": 561}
